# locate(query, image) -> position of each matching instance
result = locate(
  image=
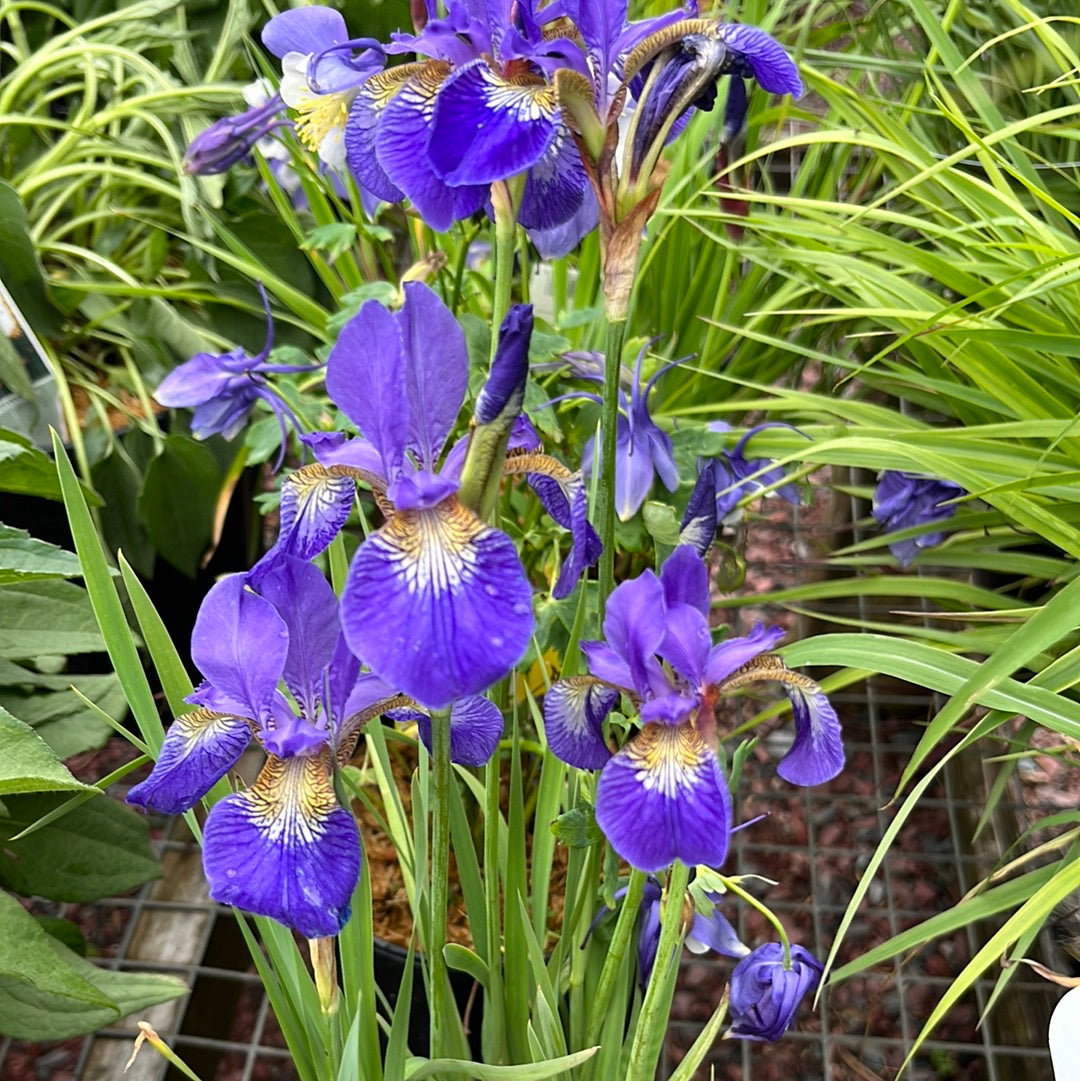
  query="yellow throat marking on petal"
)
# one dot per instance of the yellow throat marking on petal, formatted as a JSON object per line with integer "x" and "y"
{"x": 434, "y": 547}
{"x": 321, "y": 114}
{"x": 667, "y": 757}
{"x": 292, "y": 798}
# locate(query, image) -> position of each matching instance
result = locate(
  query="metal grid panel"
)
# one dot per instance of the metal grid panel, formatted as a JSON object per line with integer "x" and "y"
{"x": 815, "y": 843}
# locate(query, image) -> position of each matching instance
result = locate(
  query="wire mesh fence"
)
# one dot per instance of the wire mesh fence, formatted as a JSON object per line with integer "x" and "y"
{"x": 815, "y": 844}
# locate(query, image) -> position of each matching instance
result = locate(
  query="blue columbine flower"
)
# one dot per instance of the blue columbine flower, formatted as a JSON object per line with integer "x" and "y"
{"x": 663, "y": 796}
{"x": 905, "y": 501}
{"x": 765, "y": 995}
{"x": 231, "y": 139}
{"x": 643, "y": 450}
{"x": 222, "y": 388}
{"x": 284, "y": 848}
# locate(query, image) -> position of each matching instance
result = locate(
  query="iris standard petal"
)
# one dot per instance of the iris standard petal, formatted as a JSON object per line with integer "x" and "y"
{"x": 685, "y": 579}
{"x": 437, "y": 604}
{"x": 817, "y": 755}
{"x": 304, "y": 599}
{"x": 304, "y": 30}
{"x": 436, "y": 369}
{"x": 606, "y": 664}
{"x": 730, "y": 655}
{"x": 199, "y": 749}
{"x": 687, "y": 643}
{"x": 486, "y": 128}
{"x": 240, "y": 643}
{"x": 365, "y": 375}
{"x": 634, "y": 626}
{"x": 574, "y": 712}
{"x": 285, "y": 848}
{"x": 765, "y": 58}
{"x": 663, "y": 797}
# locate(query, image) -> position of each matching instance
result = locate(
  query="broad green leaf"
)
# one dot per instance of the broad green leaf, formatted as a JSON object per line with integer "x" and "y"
{"x": 56, "y": 713}
{"x": 28, "y": 764}
{"x": 178, "y": 501}
{"x": 23, "y": 557}
{"x": 101, "y": 848}
{"x": 577, "y": 827}
{"x": 49, "y": 993}
{"x": 47, "y": 617}
{"x": 24, "y": 469}
{"x": 20, "y": 269}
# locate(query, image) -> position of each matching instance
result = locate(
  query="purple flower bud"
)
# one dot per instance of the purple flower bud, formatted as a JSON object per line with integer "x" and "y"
{"x": 504, "y": 392}
{"x": 765, "y": 996}
{"x": 904, "y": 501}
{"x": 230, "y": 139}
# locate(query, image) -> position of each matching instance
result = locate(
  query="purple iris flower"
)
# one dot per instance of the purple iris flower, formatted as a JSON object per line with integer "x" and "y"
{"x": 437, "y": 603}
{"x": 643, "y": 450}
{"x": 905, "y": 501}
{"x": 285, "y": 847}
{"x": 222, "y": 388}
{"x": 765, "y": 995}
{"x": 322, "y": 70}
{"x": 663, "y": 795}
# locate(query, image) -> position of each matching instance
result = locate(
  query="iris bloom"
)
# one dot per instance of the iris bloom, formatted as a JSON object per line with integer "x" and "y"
{"x": 222, "y": 388}
{"x": 322, "y": 70}
{"x": 765, "y": 995}
{"x": 663, "y": 795}
{"x": 643, "y": 450}
{"x": 437, "y": 602}
{"x": 904, "y": 501}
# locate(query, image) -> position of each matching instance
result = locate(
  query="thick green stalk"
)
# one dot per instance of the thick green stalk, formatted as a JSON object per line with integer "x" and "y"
{"x": 652, "y": 1021}
{"x": 616, "y": 951}
{"x": 505, "y": 197}
{"x": 609, "y": 418}
{"x": 441, "y": 1003}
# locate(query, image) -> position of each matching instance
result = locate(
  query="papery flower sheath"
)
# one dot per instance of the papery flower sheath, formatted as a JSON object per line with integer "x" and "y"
{"x": 222, "y": 388}
{"x": 663, "y": 795}
{"x": 905, "y": 501}
{"x": 765, "y": 995}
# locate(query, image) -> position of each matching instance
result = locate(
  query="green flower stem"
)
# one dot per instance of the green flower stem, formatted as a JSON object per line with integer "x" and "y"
{"x": 442, "y": 777}
{"x": 652, "y": 1021}
{"x": 616, "y": 951}
{"x": 609, "y": 418}
{"x": 732, "y": 884}
{"x": 494, "y": 1007}
{"x": 505, "y": 199}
